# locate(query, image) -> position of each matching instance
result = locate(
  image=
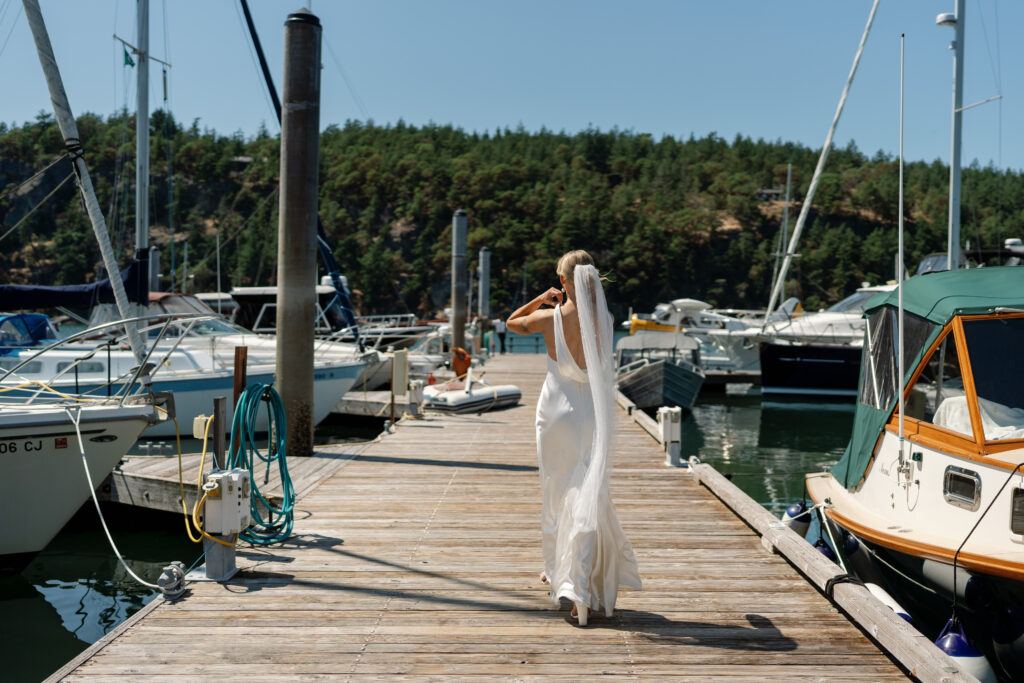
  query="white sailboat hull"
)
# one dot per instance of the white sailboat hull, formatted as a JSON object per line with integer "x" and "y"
{"x": 42, "y": 481}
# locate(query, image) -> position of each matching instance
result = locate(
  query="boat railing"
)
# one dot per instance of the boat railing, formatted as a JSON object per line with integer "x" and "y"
{"x": 630, "y": 368}
{"x": 266, "y": 320}
{"x": 111, "y": 334}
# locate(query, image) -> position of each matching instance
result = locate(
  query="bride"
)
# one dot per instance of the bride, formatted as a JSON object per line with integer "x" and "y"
{"x": 586, "y": 554}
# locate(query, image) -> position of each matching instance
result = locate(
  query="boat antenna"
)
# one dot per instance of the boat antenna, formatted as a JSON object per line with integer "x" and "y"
{"x": 806, "y": 207}
{"x": 899, "y": 266}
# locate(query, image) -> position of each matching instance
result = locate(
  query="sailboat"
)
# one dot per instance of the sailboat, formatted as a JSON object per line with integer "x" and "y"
{"x": 49, "y": 450}
{"x": 818, "y": 353}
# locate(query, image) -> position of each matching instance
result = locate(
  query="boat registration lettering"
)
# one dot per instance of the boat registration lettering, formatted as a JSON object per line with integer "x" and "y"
{"x": 27, "y": 446}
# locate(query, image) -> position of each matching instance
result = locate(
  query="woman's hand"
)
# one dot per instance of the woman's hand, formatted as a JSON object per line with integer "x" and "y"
{"x": 529, "y": 318}
{"x": 552, "y": 297}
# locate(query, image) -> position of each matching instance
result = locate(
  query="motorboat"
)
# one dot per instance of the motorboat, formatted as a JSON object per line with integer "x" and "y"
{"x": 655, "y": 369}
{"x": 935, "y": 515}
{"x": 816, "y": 354}
{"x": 726, "y": 350}
{"x": 375, "y": 336}
{"x": 257, "y": 311}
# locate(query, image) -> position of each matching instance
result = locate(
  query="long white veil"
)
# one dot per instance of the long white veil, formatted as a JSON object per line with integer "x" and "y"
{"x": 596, "y": 332}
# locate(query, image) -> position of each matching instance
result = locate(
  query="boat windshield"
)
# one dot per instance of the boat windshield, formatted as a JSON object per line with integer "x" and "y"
{"x": 662, "y": 312}
{"x": 852, "y": 304}
{"x": 879, "y": 369}
{"x": 997, "y": 365}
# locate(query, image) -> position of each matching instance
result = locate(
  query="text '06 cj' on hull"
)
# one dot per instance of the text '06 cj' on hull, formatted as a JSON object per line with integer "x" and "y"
{"x": 42, "y": 481}
{"x": 941, "y": 513}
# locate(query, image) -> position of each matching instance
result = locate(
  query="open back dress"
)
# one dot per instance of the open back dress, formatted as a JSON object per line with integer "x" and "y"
{"x": 585, "y": 560}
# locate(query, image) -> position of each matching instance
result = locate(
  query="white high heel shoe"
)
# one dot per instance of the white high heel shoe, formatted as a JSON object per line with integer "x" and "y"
{"x": 581, "y": 613}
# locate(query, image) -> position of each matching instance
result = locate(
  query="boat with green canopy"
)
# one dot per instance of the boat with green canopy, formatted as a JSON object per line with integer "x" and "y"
{"x": 936, "y": 514}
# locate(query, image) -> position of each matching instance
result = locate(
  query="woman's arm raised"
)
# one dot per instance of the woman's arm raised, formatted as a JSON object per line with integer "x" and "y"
{"x": 529, "y": 318}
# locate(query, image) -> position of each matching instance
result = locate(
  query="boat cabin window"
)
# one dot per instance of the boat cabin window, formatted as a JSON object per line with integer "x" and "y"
{"x": 879, "y": 366}
{"x": 994, "y": 346}
{"x": 961, "y": 487}
{"x": 852, "y": 304}
{"x": 938, "y": 395}
{"x": 31, "y": 368}
{"x": 83, "y": 367}
{"x": 1017, "y": 512}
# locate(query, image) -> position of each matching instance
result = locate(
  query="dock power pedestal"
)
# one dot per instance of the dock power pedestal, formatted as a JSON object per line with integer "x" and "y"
{"x": 670, "y": 419}
{"x": 225, "y": 515}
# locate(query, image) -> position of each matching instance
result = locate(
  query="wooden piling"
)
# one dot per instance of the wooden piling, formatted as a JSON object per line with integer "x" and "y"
{"x": 296, "y": 248}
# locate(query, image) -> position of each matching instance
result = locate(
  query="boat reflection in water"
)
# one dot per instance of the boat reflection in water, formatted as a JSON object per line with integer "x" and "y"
{"x": 765, "y": 449}
{"x": 804, "y": 426}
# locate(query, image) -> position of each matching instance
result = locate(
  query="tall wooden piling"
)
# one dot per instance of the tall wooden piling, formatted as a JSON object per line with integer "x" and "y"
{"x": 458, "y": 321}
{"x": 296, "y": 248}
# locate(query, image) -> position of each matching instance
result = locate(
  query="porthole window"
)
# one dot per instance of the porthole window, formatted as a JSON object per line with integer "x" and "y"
{"x": 962, "y": 488}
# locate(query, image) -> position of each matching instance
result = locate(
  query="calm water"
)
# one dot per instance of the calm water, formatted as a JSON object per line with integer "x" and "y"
{"x": 74, "y": 592}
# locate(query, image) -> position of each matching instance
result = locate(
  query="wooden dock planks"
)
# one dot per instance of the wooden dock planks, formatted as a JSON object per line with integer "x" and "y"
{"x": 420, "y": 558}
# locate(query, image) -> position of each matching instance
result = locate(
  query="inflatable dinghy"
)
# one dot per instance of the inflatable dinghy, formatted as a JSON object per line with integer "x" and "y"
{"x": 470, "y": 396}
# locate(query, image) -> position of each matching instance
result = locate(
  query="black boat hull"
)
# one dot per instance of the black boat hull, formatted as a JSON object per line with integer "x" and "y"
{"x": 809, "y": 369}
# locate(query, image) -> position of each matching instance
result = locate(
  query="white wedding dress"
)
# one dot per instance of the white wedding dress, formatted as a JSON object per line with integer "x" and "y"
{"x": 586, "y": 553}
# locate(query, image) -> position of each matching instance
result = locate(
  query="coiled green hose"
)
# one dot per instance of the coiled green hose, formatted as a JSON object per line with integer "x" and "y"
{"x": 244, "y": 450}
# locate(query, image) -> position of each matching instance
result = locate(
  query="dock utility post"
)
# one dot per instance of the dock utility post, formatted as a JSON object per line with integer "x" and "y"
{"x": 225, "y": 515}
{"x": 416, "y": 397}
{"x": 296, "y": 250}
{"x": 458, "y": 322}
{"x": 671, "y": 421}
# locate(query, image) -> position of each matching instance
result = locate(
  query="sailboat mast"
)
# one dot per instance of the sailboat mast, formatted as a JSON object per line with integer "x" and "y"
{"x": 957, "y": 22}
{"x": 69, "y": 130}
{"x": 142, "y": 140}
{"x": 826, "y": 148}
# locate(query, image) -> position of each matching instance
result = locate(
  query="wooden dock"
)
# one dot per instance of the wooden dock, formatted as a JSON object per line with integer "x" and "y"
{"x": 418, "y": 557}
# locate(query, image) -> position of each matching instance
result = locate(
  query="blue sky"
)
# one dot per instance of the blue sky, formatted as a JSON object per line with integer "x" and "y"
{"x": 762, "y": 69}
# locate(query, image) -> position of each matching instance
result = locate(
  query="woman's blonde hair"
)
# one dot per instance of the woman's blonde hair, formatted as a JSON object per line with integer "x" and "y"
{"x": 567, "y": 264}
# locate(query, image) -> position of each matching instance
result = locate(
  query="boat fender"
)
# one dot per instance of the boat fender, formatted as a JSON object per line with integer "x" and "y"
{"x": 953, "y": 641}
{"x": 883, "y": 597}
{"x": 850, "y": 543}
{"x": 797, "y": 518}
{"x": 1008, "y": 637}
{"x": 822, "y": 547}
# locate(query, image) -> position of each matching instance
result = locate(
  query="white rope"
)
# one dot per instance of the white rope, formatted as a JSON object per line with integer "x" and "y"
{"x": 75, "y": 418}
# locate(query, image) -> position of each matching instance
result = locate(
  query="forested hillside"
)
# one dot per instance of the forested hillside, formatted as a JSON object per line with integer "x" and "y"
{"x": 664, "y": 218}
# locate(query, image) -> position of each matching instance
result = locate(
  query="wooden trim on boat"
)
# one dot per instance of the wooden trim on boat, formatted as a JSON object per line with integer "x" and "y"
{"x": 933, "y": 436}
{"x": 968, "y": 379}
{"x": 973, "y": 447}
{"x": 980, "y": 563}
{"x": 909, "y": 386}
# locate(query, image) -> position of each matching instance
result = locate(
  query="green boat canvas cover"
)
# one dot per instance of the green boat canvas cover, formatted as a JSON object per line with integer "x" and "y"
{"x": 929, "y": 302}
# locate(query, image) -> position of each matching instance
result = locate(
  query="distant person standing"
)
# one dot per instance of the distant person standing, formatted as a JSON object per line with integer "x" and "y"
{"x": 500, "y": 329}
